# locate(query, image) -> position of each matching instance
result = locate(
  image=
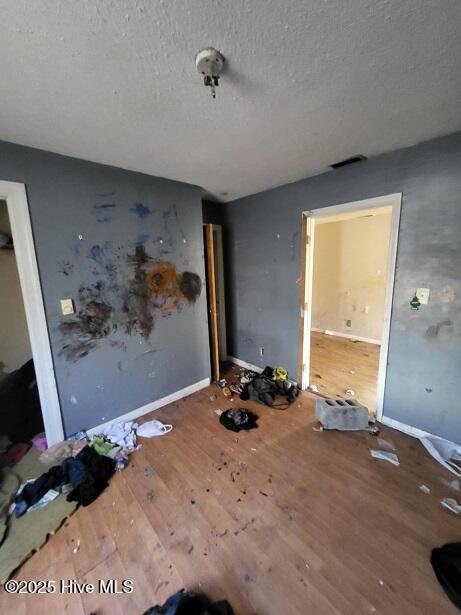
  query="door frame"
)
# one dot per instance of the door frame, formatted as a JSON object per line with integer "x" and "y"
{"x": 307, "y": 260}
{"x": 211, "y": 300}
{"x": 220, "y": 292}
{"x": 24, "y": 248}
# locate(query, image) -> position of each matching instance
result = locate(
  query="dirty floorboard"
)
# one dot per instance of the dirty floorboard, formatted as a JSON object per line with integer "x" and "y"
{"x": 279, "y": 520}
{"x": 339, "y": 364}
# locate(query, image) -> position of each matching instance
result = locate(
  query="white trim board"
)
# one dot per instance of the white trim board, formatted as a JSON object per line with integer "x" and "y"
{"x": 150, "y": 407}
{"x": 24, "y": 248}
{"x": 413, "y": 431}
{"x": 240, "y": 363}
{"x": 349, "y": 336}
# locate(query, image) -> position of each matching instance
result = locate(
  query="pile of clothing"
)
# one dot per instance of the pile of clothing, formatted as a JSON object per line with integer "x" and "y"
{"x": 83, "y": 465}
{"x": 272, "y": 387}
{"x": 84, "y": 477}
{"x": 238, "y": 419}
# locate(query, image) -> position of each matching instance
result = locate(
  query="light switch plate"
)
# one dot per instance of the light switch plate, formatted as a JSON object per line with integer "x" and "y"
{"x": 423, "y": 295}
{"x": 67, "y": 306}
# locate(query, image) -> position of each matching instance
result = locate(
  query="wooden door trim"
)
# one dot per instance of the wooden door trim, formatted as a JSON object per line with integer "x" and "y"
{"x": 212, "y": 307}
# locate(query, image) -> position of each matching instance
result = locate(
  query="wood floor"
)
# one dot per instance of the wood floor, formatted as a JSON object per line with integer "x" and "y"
{"x": 339, "y": 364}
{"x": 281, "y": 520}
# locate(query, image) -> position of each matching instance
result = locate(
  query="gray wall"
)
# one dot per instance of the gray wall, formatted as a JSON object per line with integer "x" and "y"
{"x": 263, "y": 258}
{"x": 126, "y": 363}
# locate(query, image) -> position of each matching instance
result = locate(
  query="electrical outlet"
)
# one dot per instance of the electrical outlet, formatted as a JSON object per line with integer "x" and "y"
{"x": 423, "y": 295}
{"x": 67, "y": 306}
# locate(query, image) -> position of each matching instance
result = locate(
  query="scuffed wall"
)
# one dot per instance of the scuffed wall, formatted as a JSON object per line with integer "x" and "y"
{"x": 128, "y": 249}
{"x": 349, "y": 281}
{"x": 263, "y": 257}
{"x": 14, "y": 336}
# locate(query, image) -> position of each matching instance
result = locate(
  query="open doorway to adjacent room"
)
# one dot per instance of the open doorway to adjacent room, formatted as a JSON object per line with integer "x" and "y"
{"x": 29, "y": 404}
{"x": 347, "y": 295}
{"x": 20, "y": 411}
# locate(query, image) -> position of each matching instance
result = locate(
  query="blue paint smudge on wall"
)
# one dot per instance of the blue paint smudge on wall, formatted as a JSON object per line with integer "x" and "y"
{"x": 98, "y": 252}
{"x": 142, "y": 211}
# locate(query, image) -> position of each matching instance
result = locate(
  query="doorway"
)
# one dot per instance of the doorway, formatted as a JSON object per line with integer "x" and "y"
{"x": 347, "y": 279}
{"x": 20, "y": 259}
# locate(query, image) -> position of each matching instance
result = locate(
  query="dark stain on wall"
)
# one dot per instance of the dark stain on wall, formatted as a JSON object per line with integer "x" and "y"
{"x": 434, "y": 330}
{"x": 125, "y": 301}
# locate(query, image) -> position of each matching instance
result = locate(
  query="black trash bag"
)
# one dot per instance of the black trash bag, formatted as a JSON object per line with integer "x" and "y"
{"x": 237, "y": 419}
{"x": 267, "y": 391}
{"x": 190, "y": 603}
{"x": 446, "y": 563}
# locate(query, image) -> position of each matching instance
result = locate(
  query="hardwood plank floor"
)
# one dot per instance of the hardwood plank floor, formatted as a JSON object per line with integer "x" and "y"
{"x": 281, "y": 520}
{"x": 339, "y": 364}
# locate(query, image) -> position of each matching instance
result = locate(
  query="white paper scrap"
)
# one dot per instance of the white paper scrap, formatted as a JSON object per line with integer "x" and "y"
{"x": 385, "y": 456}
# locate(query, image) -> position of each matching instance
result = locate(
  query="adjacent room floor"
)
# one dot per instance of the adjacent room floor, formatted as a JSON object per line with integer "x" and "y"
{"x": 339, "y": 364}
{"x": 279, "y": 520}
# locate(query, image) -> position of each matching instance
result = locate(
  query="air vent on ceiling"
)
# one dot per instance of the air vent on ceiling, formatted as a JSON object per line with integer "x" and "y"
{"x": 344, "y": 163}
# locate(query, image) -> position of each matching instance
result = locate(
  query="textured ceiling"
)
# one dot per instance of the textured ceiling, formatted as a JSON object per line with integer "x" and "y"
{"x": 308, "y": 82}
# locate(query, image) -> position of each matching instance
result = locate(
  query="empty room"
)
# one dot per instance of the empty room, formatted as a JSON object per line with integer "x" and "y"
{"x": 230, "y": 342}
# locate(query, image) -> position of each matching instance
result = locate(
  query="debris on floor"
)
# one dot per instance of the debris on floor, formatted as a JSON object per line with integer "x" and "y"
{"x": 14, "y": 454}
{"x": 451, "y": 504}
{"x": 373, "y": 429}
{"x": 153, "y": 428}
{"x": 342, "y": 414}
{"x": 446, "y": 563}
{"x": 444, "y": 452}
{"x": 76, "y": 548}
{"x": 190, "y": 602}
{"x": 62, "y": 450}
{"x": 386, "y": 444}
{"x": 28, "y": 533}
{"x": 385, "y": 456}
{"x": 238, "y": 419}
{"x": 272, "y": 388}
{"x": 40, "y": 443}
{"x": 425, "y": 489}
{"x": 454, "y": 484}
{"x": 350, "y": 392}
{"x": 227, "y": 393}
{"x": 313, "y": 388}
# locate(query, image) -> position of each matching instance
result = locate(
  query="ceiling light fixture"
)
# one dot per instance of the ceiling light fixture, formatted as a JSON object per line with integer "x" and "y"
{"x": 210, "y": 63}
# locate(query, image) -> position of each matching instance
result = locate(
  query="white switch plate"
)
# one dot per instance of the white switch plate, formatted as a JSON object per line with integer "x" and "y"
{"x": 423, "y": 295}
{"x": 67, "y": 306}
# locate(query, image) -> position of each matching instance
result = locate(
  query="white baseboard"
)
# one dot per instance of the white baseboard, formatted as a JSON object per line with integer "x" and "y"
{"x": 412, "y": 431}
{"x": 349, "y": 336}
{"x": 408, "y": 429}
{"x": 240, "y": 363}
{"x": 155, "y": 405}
